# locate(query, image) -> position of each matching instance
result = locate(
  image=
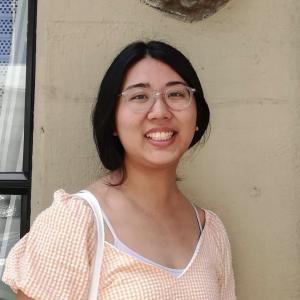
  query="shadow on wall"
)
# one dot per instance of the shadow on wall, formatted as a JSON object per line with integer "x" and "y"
{"x": 188, "y": 10}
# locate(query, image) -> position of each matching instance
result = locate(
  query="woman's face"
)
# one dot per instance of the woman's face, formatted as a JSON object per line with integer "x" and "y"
{"x": 160, "y": 136}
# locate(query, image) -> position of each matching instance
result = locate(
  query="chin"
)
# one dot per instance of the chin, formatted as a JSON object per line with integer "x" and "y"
{"x": 156, "y": 158}
{"x": 162, "y": 161}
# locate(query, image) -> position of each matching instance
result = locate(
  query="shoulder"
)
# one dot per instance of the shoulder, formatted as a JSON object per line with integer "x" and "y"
{"x": 102, "y": 189}
{"x": 60, "y": 244}
{"x": 216, "y": 231}
{"x": 209, "y": 218}
{"x": 67, "y": 223}
{"x": 212, "y": 224}
{"x": 65, "y": 211}
{"x": 213, "y": 219}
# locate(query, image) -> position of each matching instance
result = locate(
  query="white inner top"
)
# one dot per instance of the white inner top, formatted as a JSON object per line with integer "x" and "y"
{"x": 123, "y": 248}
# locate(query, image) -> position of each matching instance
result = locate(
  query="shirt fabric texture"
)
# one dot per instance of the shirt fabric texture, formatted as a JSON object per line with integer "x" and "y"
{"x": 53, "y": 261}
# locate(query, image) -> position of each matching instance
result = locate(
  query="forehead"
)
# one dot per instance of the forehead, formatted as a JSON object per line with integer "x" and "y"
{"x": 152, "y": 71}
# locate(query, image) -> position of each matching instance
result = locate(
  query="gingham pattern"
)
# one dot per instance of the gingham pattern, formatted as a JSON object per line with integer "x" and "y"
{"x": 53, "y": 262}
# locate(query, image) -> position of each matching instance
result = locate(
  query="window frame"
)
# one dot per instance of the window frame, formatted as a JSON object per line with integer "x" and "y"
{"x": 19, "y": 183}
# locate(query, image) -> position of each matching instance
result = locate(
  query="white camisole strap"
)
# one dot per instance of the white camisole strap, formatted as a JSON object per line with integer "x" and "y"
{"x": 123, "y": 247}
{"x": 116, "y": 239}
{"x": 198, "y": 217}
{"x": 111, "y": 229}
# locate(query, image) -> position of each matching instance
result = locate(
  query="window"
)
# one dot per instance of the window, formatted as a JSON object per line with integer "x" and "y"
{"x": 17, "y": 57}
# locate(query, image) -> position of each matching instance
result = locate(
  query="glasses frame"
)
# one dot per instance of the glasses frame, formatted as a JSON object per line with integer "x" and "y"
{"x": 163, "y": 93}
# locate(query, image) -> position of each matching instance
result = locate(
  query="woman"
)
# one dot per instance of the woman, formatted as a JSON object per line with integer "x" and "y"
{"x": 150, "y": 111}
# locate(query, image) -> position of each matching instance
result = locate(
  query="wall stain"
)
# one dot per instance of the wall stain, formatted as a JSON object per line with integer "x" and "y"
{"x": 255, "y": 192}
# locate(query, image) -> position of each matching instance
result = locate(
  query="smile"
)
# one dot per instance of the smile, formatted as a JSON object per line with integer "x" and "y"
{"x": 160, "y": 136}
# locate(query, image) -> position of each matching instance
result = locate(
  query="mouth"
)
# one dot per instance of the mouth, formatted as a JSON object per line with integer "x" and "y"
{"x": 160, "y": 136}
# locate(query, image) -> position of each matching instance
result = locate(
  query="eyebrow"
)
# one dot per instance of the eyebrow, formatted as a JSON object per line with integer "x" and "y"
{"x": 147, "y": 85}
{"x": 170, "y": 83}
{"x": 140, "y": 84}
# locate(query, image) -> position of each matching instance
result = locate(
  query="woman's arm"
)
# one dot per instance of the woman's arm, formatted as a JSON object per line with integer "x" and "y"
{"x": 22, "y": 296}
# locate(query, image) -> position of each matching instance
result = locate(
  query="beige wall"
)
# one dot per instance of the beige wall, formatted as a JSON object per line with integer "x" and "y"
{"x": 247, "y": 56}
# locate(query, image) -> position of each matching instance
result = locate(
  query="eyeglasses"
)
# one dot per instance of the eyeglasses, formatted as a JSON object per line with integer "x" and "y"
{"x": 141, "y": 99}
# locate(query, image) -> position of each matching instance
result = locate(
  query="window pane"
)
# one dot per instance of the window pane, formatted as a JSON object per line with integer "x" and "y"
{"x": 13, "y": 32}
{"x": 10, "y": 213}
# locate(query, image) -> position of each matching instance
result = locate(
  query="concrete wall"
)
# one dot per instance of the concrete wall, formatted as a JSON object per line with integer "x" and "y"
{"x": 247, "y": 56}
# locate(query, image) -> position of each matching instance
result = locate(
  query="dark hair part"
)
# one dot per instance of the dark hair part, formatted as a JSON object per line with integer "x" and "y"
{"x": 110, "y": 149}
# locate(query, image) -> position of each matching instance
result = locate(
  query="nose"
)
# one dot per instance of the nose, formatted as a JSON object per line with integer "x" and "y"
{"x": 159, "y": 109}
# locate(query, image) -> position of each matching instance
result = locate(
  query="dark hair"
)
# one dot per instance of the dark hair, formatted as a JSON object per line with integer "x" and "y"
{"x": 110, "y": 149}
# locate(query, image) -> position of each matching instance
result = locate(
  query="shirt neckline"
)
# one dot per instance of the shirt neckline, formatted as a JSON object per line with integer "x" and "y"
{"x": 152, "y": 263}
{"x": 164, "y": 269}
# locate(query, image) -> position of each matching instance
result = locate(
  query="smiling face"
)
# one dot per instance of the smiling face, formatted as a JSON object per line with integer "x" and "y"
{"x": 159, "y": 136}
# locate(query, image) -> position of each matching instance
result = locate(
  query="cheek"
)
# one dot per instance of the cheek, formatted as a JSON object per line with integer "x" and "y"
{"x": 192, "y": 115}
{"x": 128, "y": 125}
{"x": 121, "y": 119}
{"x": 191, "y": 122}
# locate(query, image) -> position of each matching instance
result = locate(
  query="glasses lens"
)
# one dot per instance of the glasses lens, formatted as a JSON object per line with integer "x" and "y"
{"x": 178, "y": 97}
{"x": 138, "y": 99}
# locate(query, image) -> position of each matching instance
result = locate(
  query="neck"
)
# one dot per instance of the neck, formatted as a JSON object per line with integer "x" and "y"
{"x": 151, "y": 188}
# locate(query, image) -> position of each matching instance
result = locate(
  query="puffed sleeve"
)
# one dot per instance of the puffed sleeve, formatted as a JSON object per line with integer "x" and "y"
{"x": 226, "y": 276}
{"x": 53, "y": 260}
{"x": 227, "y": 279}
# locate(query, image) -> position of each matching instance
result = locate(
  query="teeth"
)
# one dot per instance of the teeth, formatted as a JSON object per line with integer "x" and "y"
{"x": 160, "y": 136}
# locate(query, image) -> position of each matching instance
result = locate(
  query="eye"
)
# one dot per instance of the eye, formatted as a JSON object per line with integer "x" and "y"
{"x": 139, "y": 97}
{"x": 176, "y": 94}
{"x": 180, "y": 93}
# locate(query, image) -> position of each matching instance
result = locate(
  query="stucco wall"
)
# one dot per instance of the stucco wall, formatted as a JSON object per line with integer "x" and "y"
{"x": 247, "y": 56}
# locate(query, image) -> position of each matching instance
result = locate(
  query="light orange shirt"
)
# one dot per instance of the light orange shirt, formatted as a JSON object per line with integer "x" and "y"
{"x": 53, "y": 261}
